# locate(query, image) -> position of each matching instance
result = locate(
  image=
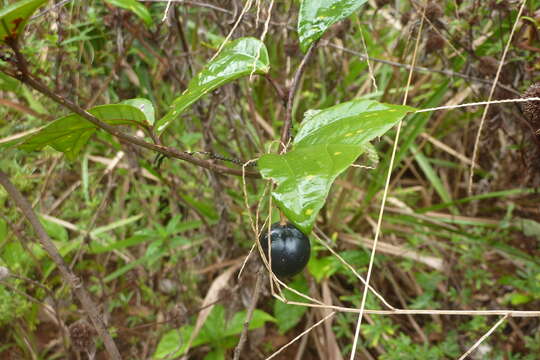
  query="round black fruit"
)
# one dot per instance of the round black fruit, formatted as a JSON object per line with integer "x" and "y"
{"x": 290, "y": 249}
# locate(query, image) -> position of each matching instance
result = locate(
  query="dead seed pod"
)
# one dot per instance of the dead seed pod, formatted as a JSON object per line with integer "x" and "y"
{"x": 433, "y": 12}
{"x": 531, "y": 109}
{"x": 405, "y": 18}
{"x": 435, "y": 42}
{"x": 82, "y": 335}
{"x": 487, "y": 66}
{"x": 178, "y": 315}
{"x": 499, "y": 5}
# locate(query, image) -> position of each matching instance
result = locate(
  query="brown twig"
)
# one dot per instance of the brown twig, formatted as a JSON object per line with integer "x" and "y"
{"x": 448, "y": 73}
{"x": 25, "y": 77}
{"x": 286, "y": 130}
{"x": 165, "y": 150}
{"x": 69, "y": 277}
{"x": 277, "y": 88}
{"x": 249, "y": 315}
{"x": 23, "y": 108}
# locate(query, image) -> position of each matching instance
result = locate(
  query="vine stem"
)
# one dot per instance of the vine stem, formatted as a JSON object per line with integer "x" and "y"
{"x": 249, "y": 315}
{"x": 69, "y": 277}
{"x": 25, "y": 77}
{"x": 286, "y": 130}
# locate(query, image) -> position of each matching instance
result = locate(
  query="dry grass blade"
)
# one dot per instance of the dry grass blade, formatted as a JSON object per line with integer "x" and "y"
{"x": 385, "y": 194}
{"x": 484, "y": 337}
{"x": 212, "y": 295}
{"x": 385, "y": 248}
{"x": 351, "y": 268}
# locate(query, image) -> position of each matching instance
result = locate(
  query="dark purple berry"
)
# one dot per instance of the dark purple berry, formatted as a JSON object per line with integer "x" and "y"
{"x": 290, "y": 249}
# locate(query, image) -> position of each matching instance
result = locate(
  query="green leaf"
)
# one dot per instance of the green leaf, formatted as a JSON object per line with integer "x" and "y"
{"x": 135, "y": 7}
{"x": 318, "y": 15}
{"x": 529, "y": 227}
{"x": 70, "y": 133}
{"x": 321, "y": 268}
{"x": 287, "y": 315}
{"x": 520, "y": 299}
{"x": 238, "y": 58}
{"x": 8, "y": 83}
{"x": 215, "y": 331}
{"x": 410, "y": 132}
{"x": 3, "y": 230}
{"x": 145, "y": 106}
{"x": 432, "y": 176}
{"x": 328, "y": 142}
{"x": 13, "y": 18}
{"x": 54, "y": 230}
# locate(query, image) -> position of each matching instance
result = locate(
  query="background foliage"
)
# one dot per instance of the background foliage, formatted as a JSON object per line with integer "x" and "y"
{"x": 150, "y": 237}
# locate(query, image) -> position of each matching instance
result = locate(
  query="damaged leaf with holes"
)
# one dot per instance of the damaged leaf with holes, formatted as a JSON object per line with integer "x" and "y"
{"x": 328, "y": 142}
{"x": 13, "y": 18}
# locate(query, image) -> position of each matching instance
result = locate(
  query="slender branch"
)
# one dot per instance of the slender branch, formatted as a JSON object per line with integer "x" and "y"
{"x": 249, "y": 315}
{"x": 277, "y": 89}
{"x": 450, "y": 312}
{"x": 69, "y": 277}
{"x": 419, "y": 68}
{"x": 286, "y": 130}
{"x": 165, "y": 150}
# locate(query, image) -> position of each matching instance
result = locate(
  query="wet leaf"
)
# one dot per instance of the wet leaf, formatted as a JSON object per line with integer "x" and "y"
{"x": 328, "y": 142}
{"x": 239, "y": 58}
{"x": 145, "y": 106}
{"x": 69, "y": 134}
{"x": 316, "y": 16}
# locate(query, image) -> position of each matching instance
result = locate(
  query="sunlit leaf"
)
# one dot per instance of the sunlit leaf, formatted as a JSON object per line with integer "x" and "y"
{"x": 135, "y": 7}
{"x": 69, "y": 134}
{"x": 13, "y": 18}
{"x": 239, "y": 58}
{"x": 145, "y": 106}
{"x": 328, "y": 142}
{"x": 318, "y": 15}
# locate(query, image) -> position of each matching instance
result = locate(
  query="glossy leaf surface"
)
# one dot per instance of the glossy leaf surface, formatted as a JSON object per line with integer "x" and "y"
{"x": 328, "y": 142}
{"x": 135, "y": 7}
{"x": 239, "y": 58}
{"x": 13, "y": 18}
{"x": 145, "y": 106}
{"x": 69, "y": 134}
{"x": 316, "y": 16}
